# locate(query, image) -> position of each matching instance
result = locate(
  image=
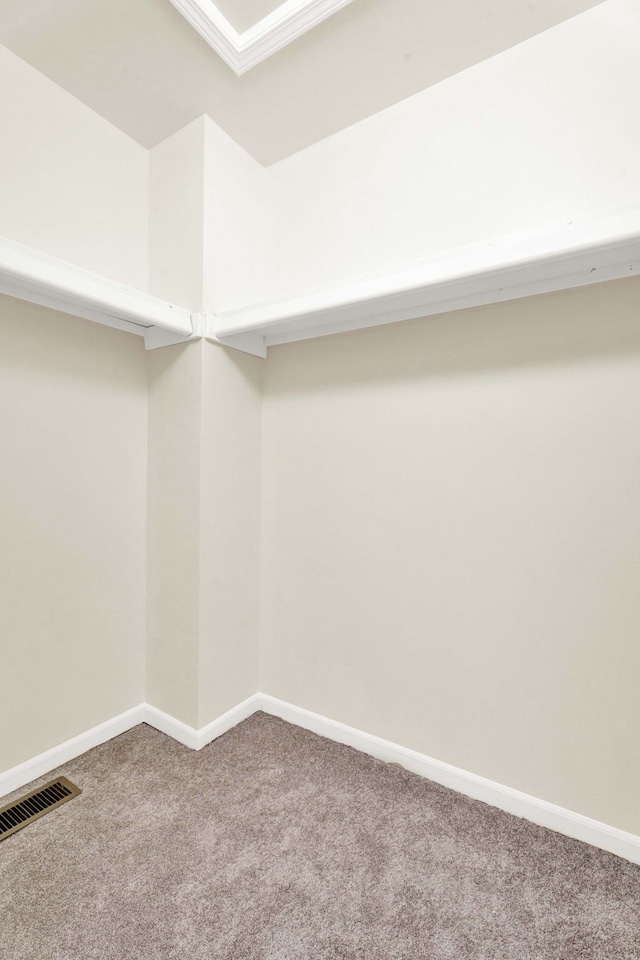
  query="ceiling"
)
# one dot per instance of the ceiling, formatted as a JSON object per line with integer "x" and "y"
{"x": 141, "y": 66}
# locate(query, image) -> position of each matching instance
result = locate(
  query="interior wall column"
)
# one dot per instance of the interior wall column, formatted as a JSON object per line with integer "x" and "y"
{"x": 204, "y": 453}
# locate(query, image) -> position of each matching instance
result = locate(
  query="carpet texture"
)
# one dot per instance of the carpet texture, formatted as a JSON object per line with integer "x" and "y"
{"x": 275, "y": 844}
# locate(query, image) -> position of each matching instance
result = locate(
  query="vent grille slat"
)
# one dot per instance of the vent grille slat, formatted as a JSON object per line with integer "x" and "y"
{"x": 35, "y": 804}
{"x": 49, "y": 797}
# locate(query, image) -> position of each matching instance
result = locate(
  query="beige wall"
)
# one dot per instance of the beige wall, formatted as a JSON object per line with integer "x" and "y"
{"x": 73, "y": 437}
{"x": 229, "y": 529}
{"x": 450, "y": 535}
{"x": 176, "y": 217}
{"x": 451, "y": 540}
{"x": 528, "y": 139}
{"x": 203, "y": 530}
{"x": 173, "y": 525}
{"x": 71, "y": 184}
{"x": 240, "y": 215}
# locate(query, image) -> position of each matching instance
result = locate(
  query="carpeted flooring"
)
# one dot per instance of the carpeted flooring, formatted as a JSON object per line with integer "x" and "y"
{"x": 275, "y": 844}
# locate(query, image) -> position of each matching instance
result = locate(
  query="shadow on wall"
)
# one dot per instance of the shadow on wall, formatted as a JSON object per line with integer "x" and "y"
{"x": 570, "y": 327}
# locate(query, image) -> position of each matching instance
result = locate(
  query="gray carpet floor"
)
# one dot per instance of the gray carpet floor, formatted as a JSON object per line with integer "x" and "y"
{"x": 275, "y": 844}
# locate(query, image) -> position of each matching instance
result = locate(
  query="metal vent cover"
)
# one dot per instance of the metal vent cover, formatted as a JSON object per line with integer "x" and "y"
{"x": 25, "y": 810}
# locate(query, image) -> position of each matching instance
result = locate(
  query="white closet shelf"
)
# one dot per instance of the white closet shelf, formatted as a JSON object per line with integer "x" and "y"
{"x": 603, "y": 247}
{"x": 540, "y": 261}
{"x": 39, "y": 278}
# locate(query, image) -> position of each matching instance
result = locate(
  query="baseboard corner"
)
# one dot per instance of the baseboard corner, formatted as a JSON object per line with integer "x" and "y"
{"x": 195, "y": 738}
{"x": 234, "y": 716}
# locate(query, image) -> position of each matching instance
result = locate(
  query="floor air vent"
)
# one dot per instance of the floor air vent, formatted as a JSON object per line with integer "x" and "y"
{"x": 35, "y": 804}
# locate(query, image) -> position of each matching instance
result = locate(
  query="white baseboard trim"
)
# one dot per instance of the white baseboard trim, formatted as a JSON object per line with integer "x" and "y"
{"x": 626, "y": 845}
{"x": 44, "y": 763}
{"x": 24, "y": 773}
{"x": 228, "y": 720}
{"x": 173, "y": 728}
{"x": 190, "y": 736}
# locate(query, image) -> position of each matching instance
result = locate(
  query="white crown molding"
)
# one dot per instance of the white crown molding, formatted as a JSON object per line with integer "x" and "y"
{"x": 242, "y": 51}
{"x": 604, "y": 247}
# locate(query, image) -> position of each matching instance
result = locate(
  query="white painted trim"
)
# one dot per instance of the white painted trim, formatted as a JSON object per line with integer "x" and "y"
{"x": 606, "y": 247}
{"x": 34, "y": 276}
{"x": 176, "y": 729}
{"x": 31, "y": 275}
{"x": 23, "y": 774}
{"x": 204, "y": 326}
{"x": 252, "y": 343}
{"x": 520, "y": 804}
{"x": 228, "y": 720}
{"x": 155, "y": 338}
{"x": 190, "y": 736}
{"x": 30, "y": 770}
{"x": 242, "y": 51}
{"x": 545, "y": 814}
{"x": 209, "y": 22}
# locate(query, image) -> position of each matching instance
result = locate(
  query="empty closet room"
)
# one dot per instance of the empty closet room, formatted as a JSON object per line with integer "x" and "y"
{"x": 320, "y": 460}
